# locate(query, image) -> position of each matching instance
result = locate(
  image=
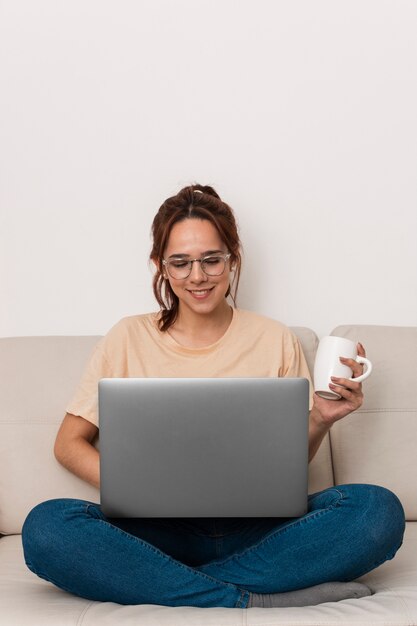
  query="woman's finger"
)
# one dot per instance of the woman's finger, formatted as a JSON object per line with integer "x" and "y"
{"x": 348, "y": 384}
{"x": 346, "y": 394}
{"x": 361, "y": 349}
{"x": 357, "y": 368}
{"x": 353, "y": 397}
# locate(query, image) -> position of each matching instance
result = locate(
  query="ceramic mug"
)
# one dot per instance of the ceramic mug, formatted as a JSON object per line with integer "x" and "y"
{"x": 327, "y": 364}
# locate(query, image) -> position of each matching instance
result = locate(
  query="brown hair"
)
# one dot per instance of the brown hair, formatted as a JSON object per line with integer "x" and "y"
{"x": 188, "y": 204}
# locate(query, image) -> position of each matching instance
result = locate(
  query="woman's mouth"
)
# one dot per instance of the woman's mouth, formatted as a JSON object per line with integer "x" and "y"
{"x": 200, "y": 294}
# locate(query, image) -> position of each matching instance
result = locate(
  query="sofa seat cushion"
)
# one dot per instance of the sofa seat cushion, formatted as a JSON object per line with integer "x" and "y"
{"x": 27, "y": 599}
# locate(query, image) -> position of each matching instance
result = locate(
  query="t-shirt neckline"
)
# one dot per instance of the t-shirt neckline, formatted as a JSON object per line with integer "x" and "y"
{"x": 169, "y": 340}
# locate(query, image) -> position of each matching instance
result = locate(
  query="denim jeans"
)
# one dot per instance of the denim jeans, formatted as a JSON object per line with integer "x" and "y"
{"x": 211, "y": 562}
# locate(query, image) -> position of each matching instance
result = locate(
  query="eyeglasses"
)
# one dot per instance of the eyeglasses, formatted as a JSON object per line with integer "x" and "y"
{"x": 212, "y": 265}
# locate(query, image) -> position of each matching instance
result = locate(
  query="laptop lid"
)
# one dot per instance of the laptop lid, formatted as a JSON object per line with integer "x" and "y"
{"x": 203, "y": 447}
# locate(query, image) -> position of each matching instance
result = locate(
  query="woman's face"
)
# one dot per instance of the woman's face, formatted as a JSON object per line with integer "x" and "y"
{"x": 199, "y": 293}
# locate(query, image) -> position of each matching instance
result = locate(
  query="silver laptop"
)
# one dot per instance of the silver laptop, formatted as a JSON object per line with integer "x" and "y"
{"x": 203, "y": 447}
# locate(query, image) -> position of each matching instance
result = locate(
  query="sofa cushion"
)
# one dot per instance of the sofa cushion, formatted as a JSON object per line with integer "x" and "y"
{"x": 378, "y": 443}
{"x": 27, "y": 599}
{"x": 38, "y": 375}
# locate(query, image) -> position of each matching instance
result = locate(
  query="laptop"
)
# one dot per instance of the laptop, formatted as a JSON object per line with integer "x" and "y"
{"x": 203, "y": 447}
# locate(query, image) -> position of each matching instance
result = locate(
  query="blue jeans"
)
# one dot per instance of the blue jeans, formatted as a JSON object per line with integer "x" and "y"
{"x": 208, "y": 562}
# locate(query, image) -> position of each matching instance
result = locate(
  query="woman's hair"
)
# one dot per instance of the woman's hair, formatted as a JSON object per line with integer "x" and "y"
{"x": 195, "y": 202}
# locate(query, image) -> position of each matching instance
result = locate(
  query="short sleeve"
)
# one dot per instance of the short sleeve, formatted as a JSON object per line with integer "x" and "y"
{"x": 85, "y": 400}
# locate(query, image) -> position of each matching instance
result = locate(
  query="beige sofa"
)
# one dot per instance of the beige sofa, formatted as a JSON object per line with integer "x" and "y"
{"x": 376, "y": 445}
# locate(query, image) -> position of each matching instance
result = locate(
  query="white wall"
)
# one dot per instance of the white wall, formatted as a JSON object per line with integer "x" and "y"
{"x": 302, "y": 114}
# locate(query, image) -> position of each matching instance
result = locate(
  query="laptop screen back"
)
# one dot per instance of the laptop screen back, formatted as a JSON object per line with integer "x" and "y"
{"x": 203, "y": 447}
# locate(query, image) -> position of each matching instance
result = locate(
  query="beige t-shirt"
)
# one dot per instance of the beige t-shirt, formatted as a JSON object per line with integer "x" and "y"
{"x": 253, "y": 346}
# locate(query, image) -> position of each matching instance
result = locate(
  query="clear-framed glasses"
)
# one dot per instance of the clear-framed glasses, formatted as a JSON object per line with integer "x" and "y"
{"x": 211, "y": 265}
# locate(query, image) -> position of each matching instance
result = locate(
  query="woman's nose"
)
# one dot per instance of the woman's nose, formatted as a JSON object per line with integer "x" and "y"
{"x": 197, "y": 273}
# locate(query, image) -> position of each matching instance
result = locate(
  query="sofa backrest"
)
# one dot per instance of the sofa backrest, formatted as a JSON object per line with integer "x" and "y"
{"x": 38, "y": 376}
{"x": 378, "y": 443}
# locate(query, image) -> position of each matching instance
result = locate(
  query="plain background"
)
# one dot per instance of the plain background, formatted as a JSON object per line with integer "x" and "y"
{"x": 301, "y": 114}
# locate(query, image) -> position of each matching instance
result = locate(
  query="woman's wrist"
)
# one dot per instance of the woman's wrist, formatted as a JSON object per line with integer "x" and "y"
{"x": 317, "y": 420}
{"x": 317, "y": 431}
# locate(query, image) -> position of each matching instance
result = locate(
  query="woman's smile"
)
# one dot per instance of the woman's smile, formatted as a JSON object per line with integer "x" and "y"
{"x": 200, "y": 294}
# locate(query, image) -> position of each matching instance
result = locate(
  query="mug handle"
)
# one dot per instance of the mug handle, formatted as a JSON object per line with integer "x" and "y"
{"x": 367, "y": 372}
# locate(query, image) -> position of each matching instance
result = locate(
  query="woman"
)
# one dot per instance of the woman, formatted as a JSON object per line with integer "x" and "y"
{"x": 348, "y": 531}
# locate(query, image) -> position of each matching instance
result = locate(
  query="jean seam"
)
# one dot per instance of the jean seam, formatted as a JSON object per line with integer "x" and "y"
{"x": 243, "y": 600}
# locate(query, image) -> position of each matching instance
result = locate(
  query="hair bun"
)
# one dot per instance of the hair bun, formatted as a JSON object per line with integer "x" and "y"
{"x": 204, "y": 189}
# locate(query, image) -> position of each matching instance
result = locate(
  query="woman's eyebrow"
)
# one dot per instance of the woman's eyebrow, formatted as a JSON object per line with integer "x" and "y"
{"x": 206, "y": 253}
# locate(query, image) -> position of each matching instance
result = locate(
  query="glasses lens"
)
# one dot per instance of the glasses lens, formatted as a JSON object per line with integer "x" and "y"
{"x": 179, "y": 269}
{"x": 213, "y": 265}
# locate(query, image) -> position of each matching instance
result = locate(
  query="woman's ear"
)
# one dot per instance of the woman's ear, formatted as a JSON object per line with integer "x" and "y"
{"x": 160, "y": 268}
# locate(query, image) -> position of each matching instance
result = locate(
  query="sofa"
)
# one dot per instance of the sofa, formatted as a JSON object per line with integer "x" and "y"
{"x": 377, "y": 444}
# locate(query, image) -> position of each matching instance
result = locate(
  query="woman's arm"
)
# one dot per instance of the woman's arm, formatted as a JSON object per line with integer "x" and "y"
{"x": 74, "y": 450}
{"x": 317, "y": 430}
{"x": 326, "y": 412}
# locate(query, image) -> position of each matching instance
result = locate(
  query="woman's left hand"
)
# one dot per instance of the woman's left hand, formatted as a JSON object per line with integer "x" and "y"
{"x": 352, "y": 397}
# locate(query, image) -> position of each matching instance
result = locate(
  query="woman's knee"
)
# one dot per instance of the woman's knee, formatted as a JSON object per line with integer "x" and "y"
{"x": 45, "y": 524}
{"x": 388, "y": 518}
{"x": 380, "y": 515}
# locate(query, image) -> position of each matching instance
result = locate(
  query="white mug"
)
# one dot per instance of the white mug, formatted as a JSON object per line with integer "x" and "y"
{"x": 327, "y": 364}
